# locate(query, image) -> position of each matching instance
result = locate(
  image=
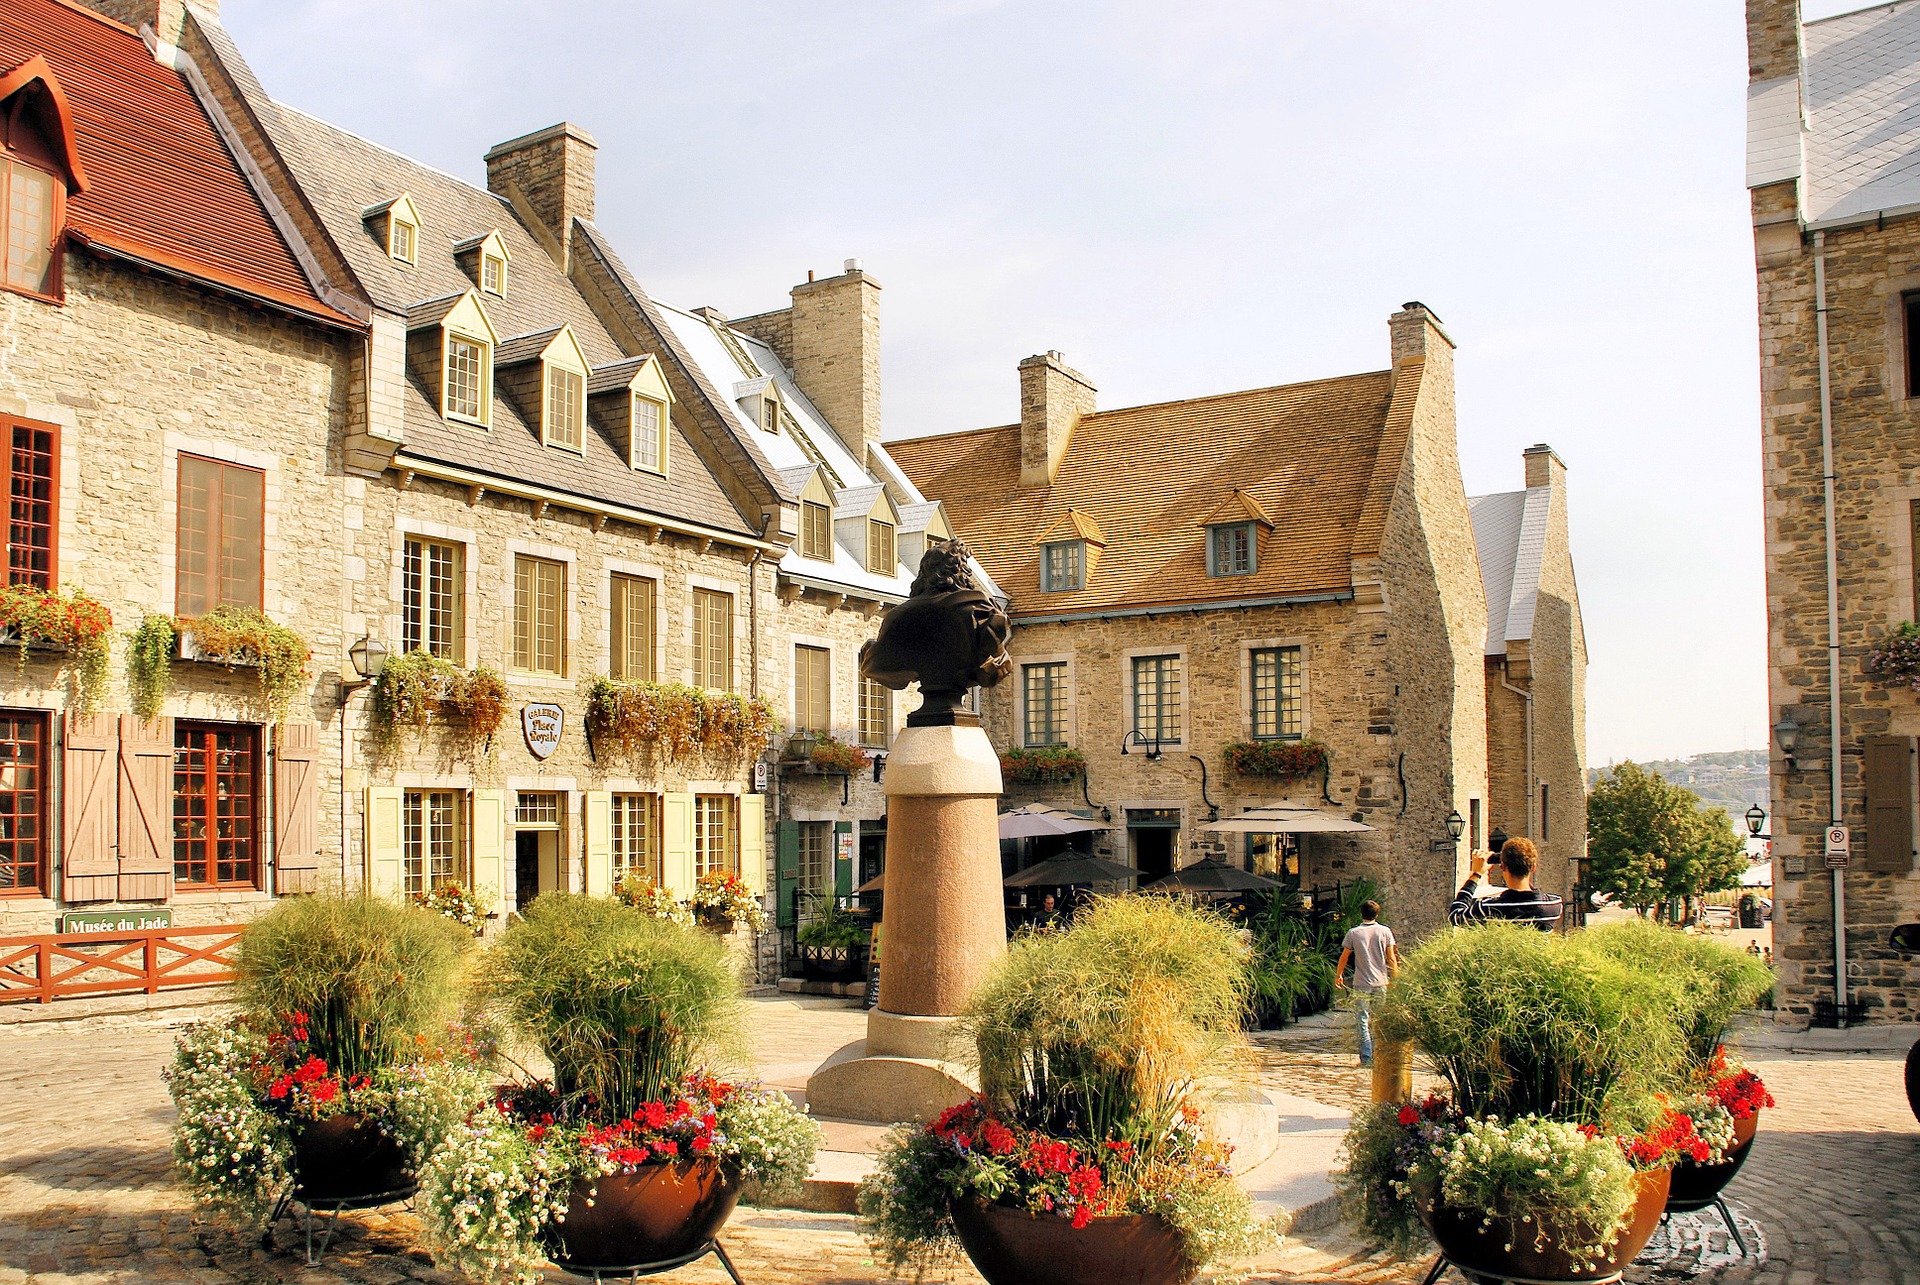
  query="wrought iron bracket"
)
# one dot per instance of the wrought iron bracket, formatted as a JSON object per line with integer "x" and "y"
{"x": 1213, "y": 809}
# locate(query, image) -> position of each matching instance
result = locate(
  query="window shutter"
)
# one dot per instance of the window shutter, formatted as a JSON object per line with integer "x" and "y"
{"x": 1889, "y": 777}
{"x": 786, "y": 871}
{"x": 599, "y": 845}
{"x": 676, "y": 844}
{"x": 842, "y": 862}
{"x": 296, "y": 813}
{"x": 489, "y": 839}
{"x": 146, "y": 809}
{"x": 383, "y": 841}
{"x": 91, "y": 864}
{"x": 753, "y": 842}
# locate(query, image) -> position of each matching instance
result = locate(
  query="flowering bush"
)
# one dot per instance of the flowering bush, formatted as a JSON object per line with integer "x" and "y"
{"x": 649, "y": 897}
{"x": 1385, "y": 1147}
{"x": 830, "y": 755}
{"x": 1041, "y": 765}
{"x": 1546, "y": 1179}
{"x": 721, "y": 895}
{"x": 72, "y": 621}
{"x": 492, "y": 1195}
{"x": 452, "y": 900}
{"x": 1742, "y": 1093}
{"x": 1281, "y": 760}
{"x": 1896, "y": 661}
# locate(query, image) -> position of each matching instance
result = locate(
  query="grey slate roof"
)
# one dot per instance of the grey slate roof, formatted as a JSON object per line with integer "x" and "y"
{"x": 342, "y": 175}
{"x": 511, "y": 352}
{"x": 1510, "y": 532}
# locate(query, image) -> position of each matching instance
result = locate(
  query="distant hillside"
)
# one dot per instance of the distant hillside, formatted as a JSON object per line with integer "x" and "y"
{"x": 1731, "y": 779}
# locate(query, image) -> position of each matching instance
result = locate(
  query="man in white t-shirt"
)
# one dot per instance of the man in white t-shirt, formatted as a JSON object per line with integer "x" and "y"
{"x": 1369, "y": 945}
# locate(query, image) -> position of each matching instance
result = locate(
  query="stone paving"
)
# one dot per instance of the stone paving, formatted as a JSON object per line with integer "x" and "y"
{"x": 86, "y": 1199}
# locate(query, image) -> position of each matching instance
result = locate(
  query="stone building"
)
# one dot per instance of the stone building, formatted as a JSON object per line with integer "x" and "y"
{"x": 1836, "y": 216}
{"x": 1536, "y": 668}
{"x": 1284, "y": 565}
{"x": 172, "y": 377}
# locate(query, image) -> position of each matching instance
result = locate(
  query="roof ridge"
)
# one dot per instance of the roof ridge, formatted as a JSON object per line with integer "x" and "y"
{"x": 97, "y": 16}
{"x": 1854, "y": 13}
{"x": 1240, "y": 392}
{"x": 381, "y": 147}
{"x": 958, "y": 432}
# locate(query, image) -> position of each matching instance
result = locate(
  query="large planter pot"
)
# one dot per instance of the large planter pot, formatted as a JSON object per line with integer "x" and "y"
{"x": 1014, "y": 1247}
{"x": 833, "y": 963}
{"x": 1695, "y": 1186}
{"x": 660, "y": 1213}
{"x": 349, "y": 1160}
{"x": 1913, "y": 1079}
{"x": 1482, "y": 1252}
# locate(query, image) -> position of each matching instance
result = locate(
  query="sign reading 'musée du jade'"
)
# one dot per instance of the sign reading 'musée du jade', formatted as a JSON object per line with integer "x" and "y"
{"x": 115, "y": 921}
{"x": 541, "y": 722}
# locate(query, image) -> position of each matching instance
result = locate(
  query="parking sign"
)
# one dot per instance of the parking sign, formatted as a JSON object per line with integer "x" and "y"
{"x": 1839, "y": 847}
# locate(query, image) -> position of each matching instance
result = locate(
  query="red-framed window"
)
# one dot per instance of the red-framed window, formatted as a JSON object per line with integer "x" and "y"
{"x": 219, "y": 555}
{"x": 32, "y": 485}
{"x": 23, "y": 803}
{"x": 216, "y": 805}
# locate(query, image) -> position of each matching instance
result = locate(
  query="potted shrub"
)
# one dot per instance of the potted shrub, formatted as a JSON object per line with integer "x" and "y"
{"x": 1549, "y": 1157}
{"x": 833, "y": 946}
{"x": 722, "y": 899}
{"x": 1276, "y": 760}
{"x": 343, "y": 1070}
{"x": 650, "y": 899}
{"x": 635, "y": 1153}
{"x": 1086, "y": 1157}
{"x": 35, "y": 619}
{"x": 1041, "y": 765}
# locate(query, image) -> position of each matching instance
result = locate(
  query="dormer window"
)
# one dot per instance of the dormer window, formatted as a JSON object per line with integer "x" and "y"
{"x": 1232, "y": 549}
{"x": 816, "y": 531}
{"x": 649, "y": 433}
{"x": 396, "y": 225}
{"x": 468, "y": 377}
{"x": 1063, "y": 566}
{"x": 403, "y": 240}
{"x": 39, "y": 169}
{"x": 770, "y": 412}
{"x": 452, "y": 348}
{"x": 566, "y": 401}
{"x": 493, "y": 274}
{"x": 631, "y": 401}
{"x": 881, "y": 555}
{"x": 28, "y": 195}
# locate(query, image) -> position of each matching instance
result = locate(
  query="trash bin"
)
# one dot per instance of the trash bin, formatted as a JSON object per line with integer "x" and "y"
{"x": 1749, "y": 911}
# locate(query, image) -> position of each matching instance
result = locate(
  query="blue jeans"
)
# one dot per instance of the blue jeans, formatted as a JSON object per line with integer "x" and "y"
{"x": 1363, "y": 997}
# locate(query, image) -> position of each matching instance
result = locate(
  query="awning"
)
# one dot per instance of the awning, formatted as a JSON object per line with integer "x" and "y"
{"x": 1037, "y": 820}
{"x": 1286, "y": 820}
{"x": 1757, "y": 876}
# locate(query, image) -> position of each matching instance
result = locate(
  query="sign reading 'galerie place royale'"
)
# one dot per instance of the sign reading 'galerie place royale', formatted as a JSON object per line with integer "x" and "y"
{"x": 115, "y": 921}
{"x": 542, "y": 721}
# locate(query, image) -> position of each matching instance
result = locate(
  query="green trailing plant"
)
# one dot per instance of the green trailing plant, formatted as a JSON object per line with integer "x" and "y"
{"x": 244, "y": 636}
{"x": 149, "y": 664}
{"x": 1041, "y": 764}
{"x": 70, "y": 621}
{"x": 645, "y": 721}
{"x": 624, "y": 1005}
{"x": 836, "y": 928}
{"x": 416, "y": 690}
{"x": 1277, "y": 760}
{"x": 1709, "y": 983}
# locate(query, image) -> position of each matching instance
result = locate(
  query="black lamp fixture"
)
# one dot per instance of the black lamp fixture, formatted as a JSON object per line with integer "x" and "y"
{"x": 1756, "y": 820}
{"x": 1456, "y": 825}
{"x": 369, "y": 659}
{"x": 1496, "y": 839}
{"x": 1136, "y": 736}
{"x": 1786, "y": 734}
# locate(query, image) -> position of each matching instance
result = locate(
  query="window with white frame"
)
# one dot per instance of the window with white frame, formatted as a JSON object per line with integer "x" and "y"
{"x": 403, "y": 240}
{"x": 566, "y": 406}
{"x": 1043, "y": 687}
{"x": 467, "y": 378}
{"x": 716, "y": 834}
{"x": 430, "y": 840}
{"x": 636, "y": 837}
{"x": 1276, "y": 693}
{"x": 1157, "y": 698}
{"x": 1231, "y": 549}
{"x": 493, "y": 274}
{"x": 1063, "y": 566}
{"x": 432, "y": 594}
{"x": 649, "y": 434}
{"x": 876, "y": 714}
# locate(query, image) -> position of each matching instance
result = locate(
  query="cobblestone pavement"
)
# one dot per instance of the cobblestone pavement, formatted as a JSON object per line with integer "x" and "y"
{"x": 85, "y": 1196}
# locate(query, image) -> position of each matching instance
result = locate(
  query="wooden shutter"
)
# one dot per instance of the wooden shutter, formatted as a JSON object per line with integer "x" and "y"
{"x": 676, "y": 844}
{"x": 599, "y": 842}
{"x": 1889, "y": 777}
{"x": 489, "y": 847}
{"x": 842, "y": 864}
{"x": 786, "y": 871}
{"x": 384, "y": 860}
{"x": 90, "y": 809}
{"x": 753, "y": 842}
{"x": 296, "y": 809}
{"x": 146, "y": 808}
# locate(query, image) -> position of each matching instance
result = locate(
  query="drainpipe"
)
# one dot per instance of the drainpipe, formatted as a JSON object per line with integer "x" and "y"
{"x": 1827, "y": 478}
{"x": 1527, "y": 696}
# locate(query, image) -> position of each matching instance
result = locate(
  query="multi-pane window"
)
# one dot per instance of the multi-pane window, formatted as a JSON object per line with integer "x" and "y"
{"x": 1063, "y": 566}
{"x": 713, "y": 639}
{"x": 566, "y": 406}
{"x": 812, "y": 689}
{"x": 402, "y": 240}
{"x": 716, "y": 839}
{"x": 432, "y": 596}
{"x": 876, "y": 714}
{"x": 466, "y": 378}
{"x": 881, "y": 556}
{"x": 493, "y": 274}
{"x": 1230, "y": 549}
{"x": 1276, "y": 693}
{"x": 537, "y": 810}
{"x": 216, "y": 820}
{"x": 636, "y": 837}
{"x": 32, "y": 494}
{"x": 28, "y": 196}
{"x": 429, "y": 840}
{"x": 218, "y": 553}
{"x": 816, "y": 858}
{"x": 631, "y": 615}
{"x": 1044, "y": 689}
{"x": 539, "y": 614}
{"x": 770, "y": 412}
{"x": 816, "y": 531}
{"x": 1157, "y": 697}
{"x": 649, "y": 430}
{"x": 23, "y": 803}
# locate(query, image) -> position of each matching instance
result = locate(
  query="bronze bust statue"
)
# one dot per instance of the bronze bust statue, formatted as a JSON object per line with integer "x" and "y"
{"x": 947, "y": 634}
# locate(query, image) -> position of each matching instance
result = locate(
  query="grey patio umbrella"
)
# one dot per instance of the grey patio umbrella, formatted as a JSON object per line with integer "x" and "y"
{"x": 1070, "y": 870}
{"x": 1037, "y": 820}
{"x": 1211, "y": 874}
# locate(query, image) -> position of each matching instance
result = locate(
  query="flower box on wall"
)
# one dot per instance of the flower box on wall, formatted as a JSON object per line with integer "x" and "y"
{"x": 1276, "y": 760}
{"x": 11, "y": 636}
{"x": 1041, "y": 765}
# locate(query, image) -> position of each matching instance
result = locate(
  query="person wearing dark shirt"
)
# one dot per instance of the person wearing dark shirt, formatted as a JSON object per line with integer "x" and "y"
{"x": 1520, "y": 902}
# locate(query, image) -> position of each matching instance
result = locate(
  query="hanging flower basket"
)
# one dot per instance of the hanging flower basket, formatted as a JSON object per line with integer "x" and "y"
{"x": 34, "y": 619}
{"x": 233, "y": 637}
{"x": 651, "y": 721}
{"x": 830, "y": 756}
{"x": 1276, "y": 760}
{"x": 1042, "y": 765}
{"x": 1896, "y": 661}
{"x": 417, "y": 690}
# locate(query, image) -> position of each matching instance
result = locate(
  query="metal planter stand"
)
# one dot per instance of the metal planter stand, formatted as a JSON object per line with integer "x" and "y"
{"x": 637, "y": 1270}
{"x": 333, "y": 1209}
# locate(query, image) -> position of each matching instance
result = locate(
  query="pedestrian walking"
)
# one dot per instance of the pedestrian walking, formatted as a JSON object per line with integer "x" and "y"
{"x": 1519, "y": 902}
{"x": 1375, "y": 957}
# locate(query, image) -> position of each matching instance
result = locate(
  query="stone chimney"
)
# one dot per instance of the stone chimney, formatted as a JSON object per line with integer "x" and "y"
{"x": 1773, "y": 39}
{"x": 166, "y": 17}
{"x": 832, "y": 334}
{"x": 1544, "y": 468}
{"x": 1053, "y": 397}
{"x": 1416, "y": 332}
{"x": 547, "y": 174}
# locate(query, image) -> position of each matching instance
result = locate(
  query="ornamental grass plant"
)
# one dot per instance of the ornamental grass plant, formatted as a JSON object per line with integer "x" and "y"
{"x": 1711, "y": 983}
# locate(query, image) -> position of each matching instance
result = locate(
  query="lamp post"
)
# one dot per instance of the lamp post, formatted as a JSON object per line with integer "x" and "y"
{"x": 369, "y": 660}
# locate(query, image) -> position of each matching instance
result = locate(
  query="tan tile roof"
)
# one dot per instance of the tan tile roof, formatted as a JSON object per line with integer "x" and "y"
{"x": 1309, "y": 456}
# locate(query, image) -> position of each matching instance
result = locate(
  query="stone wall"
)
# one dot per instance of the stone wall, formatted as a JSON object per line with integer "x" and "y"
{"x": 135, "y": 370}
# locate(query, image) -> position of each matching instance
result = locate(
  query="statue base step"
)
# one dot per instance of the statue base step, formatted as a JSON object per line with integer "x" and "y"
{"x": 886, "y": 1088}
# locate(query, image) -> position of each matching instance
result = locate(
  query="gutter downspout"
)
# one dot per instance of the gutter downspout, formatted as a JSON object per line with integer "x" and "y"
{"x": 1526, "y": 696}
{"x": 1828, "y": 479}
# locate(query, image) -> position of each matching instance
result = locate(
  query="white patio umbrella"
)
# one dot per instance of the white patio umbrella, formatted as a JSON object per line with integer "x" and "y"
{"x": 1037, "y": 820}
{"x": 1286, "y": 820}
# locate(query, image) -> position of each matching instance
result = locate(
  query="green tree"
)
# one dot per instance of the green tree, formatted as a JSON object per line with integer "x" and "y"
{"x": 1650, "y": 843}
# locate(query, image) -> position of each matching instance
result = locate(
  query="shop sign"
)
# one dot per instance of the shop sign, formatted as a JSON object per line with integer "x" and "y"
{"x": 116, "y": 921}
{"x": 541, "y": 721}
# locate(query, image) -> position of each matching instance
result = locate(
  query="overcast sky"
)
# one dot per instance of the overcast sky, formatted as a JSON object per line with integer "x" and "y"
{"x": 1192, "y": 199}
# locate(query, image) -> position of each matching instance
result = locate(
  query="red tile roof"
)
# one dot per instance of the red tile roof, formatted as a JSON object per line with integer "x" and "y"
{"x": 162, "y": 186}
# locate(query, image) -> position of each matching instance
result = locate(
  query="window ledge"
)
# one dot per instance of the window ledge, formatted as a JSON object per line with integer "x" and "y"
{"x": 204, "y": 896}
